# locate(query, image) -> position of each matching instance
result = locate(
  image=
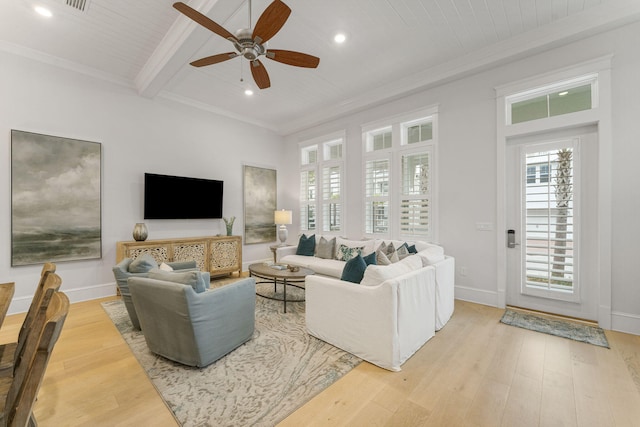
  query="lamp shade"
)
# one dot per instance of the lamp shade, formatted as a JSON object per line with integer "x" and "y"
{"x": 282, "y": 217}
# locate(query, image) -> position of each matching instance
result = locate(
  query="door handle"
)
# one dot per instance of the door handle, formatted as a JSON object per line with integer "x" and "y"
{"x": 511, "y": 239}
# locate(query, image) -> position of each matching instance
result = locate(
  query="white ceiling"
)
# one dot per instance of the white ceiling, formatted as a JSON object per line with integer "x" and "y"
{"x": 393, "y": 47}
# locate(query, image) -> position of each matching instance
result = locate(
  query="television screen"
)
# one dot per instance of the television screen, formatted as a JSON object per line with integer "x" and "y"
{"x": 177, "y": 197}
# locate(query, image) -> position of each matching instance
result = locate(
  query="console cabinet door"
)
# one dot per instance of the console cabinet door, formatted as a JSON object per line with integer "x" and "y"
{"x": 160, "y": 252}
{"x": 225, "y": 254}
{"x": 191, "y": 251}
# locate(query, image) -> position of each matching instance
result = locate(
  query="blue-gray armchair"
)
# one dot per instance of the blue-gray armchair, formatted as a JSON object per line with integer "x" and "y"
{"x": 191, "y": 328}
{"x": 140, "y": 268}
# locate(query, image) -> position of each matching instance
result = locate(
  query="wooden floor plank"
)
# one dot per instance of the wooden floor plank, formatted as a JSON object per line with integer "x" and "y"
{"x": 476, "y": 371}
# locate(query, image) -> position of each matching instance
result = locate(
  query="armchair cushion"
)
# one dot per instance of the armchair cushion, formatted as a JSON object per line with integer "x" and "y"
{"x": 193, "y": 278}
{"x": 190, "y": 328}
{"x": 143, "y": 264}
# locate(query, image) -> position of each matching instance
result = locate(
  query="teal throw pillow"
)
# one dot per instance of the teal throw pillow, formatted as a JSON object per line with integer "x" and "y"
{"x": 370, "y": 259}
{"x": 306, "y": 245}
{"x": 354, "y": 269}
{"x": 143, "y": 264}
{"x": 188, "y": 278}
{"x": 412, "y": 249}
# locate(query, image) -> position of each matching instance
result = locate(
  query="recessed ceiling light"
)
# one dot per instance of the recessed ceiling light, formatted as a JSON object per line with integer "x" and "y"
{"x": 340, "y": 38}
{"x": 43, "y": 11}
{"x": 248, "y": 92}
{"x": 563, "y": 93}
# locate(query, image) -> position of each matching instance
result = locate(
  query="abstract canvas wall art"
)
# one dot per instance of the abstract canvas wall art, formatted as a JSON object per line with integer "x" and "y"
{"x": 260, "y": 200}
{"x": 55, "y": 199}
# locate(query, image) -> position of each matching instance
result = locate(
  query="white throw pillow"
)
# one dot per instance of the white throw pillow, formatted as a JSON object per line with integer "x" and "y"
{"x": 165, "y": 267}
{"x": 367, "y": 245}
{"x": 376, "y": 274}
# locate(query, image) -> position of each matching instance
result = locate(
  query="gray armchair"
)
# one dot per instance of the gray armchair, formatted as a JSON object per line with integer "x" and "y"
{"x": 194, "y": 329}
{"x": 122, "y": 273}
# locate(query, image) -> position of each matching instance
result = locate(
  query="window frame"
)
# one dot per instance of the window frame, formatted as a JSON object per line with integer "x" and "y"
{"x": 323, "y": 162}
{"x": 400, "y": 147}
{"x": 549, "y": 89}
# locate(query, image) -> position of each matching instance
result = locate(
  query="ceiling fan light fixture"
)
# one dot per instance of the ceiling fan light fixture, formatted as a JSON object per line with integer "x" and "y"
{"x": 43, "y": 11}
{"x": 340, "y": 38}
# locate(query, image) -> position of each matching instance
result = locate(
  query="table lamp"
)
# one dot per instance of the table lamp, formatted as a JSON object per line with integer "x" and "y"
{"x": 282, "y": 218}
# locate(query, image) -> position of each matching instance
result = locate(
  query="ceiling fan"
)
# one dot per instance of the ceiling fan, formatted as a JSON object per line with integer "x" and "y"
{"x": 251, "y": 44}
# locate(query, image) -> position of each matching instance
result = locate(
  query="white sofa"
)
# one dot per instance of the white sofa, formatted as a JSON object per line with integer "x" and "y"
{"x": 387, "y": 317}
{"x": 430, "y": 254}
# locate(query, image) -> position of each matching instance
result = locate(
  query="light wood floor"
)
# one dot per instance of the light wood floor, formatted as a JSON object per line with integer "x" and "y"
{"x": 475, "y": 372}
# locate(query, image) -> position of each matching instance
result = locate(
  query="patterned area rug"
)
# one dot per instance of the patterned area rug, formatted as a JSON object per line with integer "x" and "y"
{"x": 258, "y": 384}
{"x": 561, "y": 328}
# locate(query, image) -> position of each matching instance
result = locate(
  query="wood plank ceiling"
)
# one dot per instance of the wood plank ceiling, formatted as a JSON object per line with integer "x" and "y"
{"x": 393, "y": 47}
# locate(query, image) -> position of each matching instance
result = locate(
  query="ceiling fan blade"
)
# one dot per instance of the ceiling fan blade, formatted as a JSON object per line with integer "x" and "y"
{"x": 290, "y": 57}
{"x": 203, "y": 20}
{"x": 210, "y": 60}
{"x": 260, "y": 74}
{"x": 271, "y": 20}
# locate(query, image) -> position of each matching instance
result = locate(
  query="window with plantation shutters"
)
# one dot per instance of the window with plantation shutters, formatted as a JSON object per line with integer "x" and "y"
{"x": 321, "y": 184}
{"x": 415, "y": 204}
{"x": 399, "y": 177}
{"x": 377, "y": 196}
{"x": 308, "y": 200}
{"x": 549, "y": 218}
{"x": 331, "y": 198}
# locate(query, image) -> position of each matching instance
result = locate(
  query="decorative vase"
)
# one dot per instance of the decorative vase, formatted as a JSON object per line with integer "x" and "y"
{"x": 140, "y": 232}
{"x": 229, "y": 224}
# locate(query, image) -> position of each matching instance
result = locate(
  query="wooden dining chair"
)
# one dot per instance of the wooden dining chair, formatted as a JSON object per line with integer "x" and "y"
{"x": 10, "y": 352}
{"x": 18, "y": 394}
{"x": 6, "y": 295}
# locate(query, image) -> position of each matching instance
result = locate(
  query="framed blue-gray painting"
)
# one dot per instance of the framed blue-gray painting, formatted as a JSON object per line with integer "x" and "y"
{"x": 260, "y": 197}
{"x": 56, "y": 212}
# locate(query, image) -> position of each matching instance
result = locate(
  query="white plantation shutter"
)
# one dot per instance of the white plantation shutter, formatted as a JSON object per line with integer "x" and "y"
{"x": 307, "y": 200}
{"x": 550, "y": 248}
{"x": 331, "y": 196}
{"x": 377, "y": 174}
{"x": 415, "y": 205}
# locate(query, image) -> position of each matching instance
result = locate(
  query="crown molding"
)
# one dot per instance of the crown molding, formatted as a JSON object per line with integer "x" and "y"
{"x": 593, "y": 21}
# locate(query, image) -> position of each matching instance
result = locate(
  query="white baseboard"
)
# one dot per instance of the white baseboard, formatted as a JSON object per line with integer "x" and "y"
{"x": 625, "y": 322}
{"x": 479, "y": 296}
{"x": 21, "y": 304}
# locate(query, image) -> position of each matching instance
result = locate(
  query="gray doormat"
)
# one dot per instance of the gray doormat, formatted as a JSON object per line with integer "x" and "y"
{"x": 561, "y": 328}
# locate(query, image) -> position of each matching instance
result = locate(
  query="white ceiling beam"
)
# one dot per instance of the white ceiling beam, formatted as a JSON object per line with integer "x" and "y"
{"x": 178, "y": 46}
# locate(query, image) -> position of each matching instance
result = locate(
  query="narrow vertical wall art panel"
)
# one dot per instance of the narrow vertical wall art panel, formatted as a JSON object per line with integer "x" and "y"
{"x": 55, "y": 199}
{"x": 260, "y": 200}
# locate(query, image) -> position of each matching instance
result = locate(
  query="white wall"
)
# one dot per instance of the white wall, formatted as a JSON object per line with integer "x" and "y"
{"x": 467, "y": 165}
{"x": 137, "y": 135}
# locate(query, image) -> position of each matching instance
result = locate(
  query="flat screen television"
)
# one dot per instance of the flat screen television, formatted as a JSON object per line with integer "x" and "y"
{"x": 179, "y": 197}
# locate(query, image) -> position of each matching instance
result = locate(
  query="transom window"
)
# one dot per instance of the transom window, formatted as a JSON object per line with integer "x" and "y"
{"x": 556, "y": 99}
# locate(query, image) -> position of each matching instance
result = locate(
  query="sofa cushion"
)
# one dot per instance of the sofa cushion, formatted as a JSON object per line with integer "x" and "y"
{"x": 190, "y": 278}
{"x": 431, "y": 254}
{"x": 143, "y": 264}
{"x": 326, "y": 248}
{"x": 345, "y": 253}
{"x": 325, "y": 267}
{"x": 306, "y": 245}
{"x": 354, "y": 269}
{"x": 376, "y": 274}
{"x": 367, "y": 246}
{"x": 403, "y": 251}
{"x": 370, "y": 259}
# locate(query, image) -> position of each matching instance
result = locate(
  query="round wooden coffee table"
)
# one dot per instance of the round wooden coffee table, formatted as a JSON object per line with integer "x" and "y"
{"x": 283, "y": 277}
